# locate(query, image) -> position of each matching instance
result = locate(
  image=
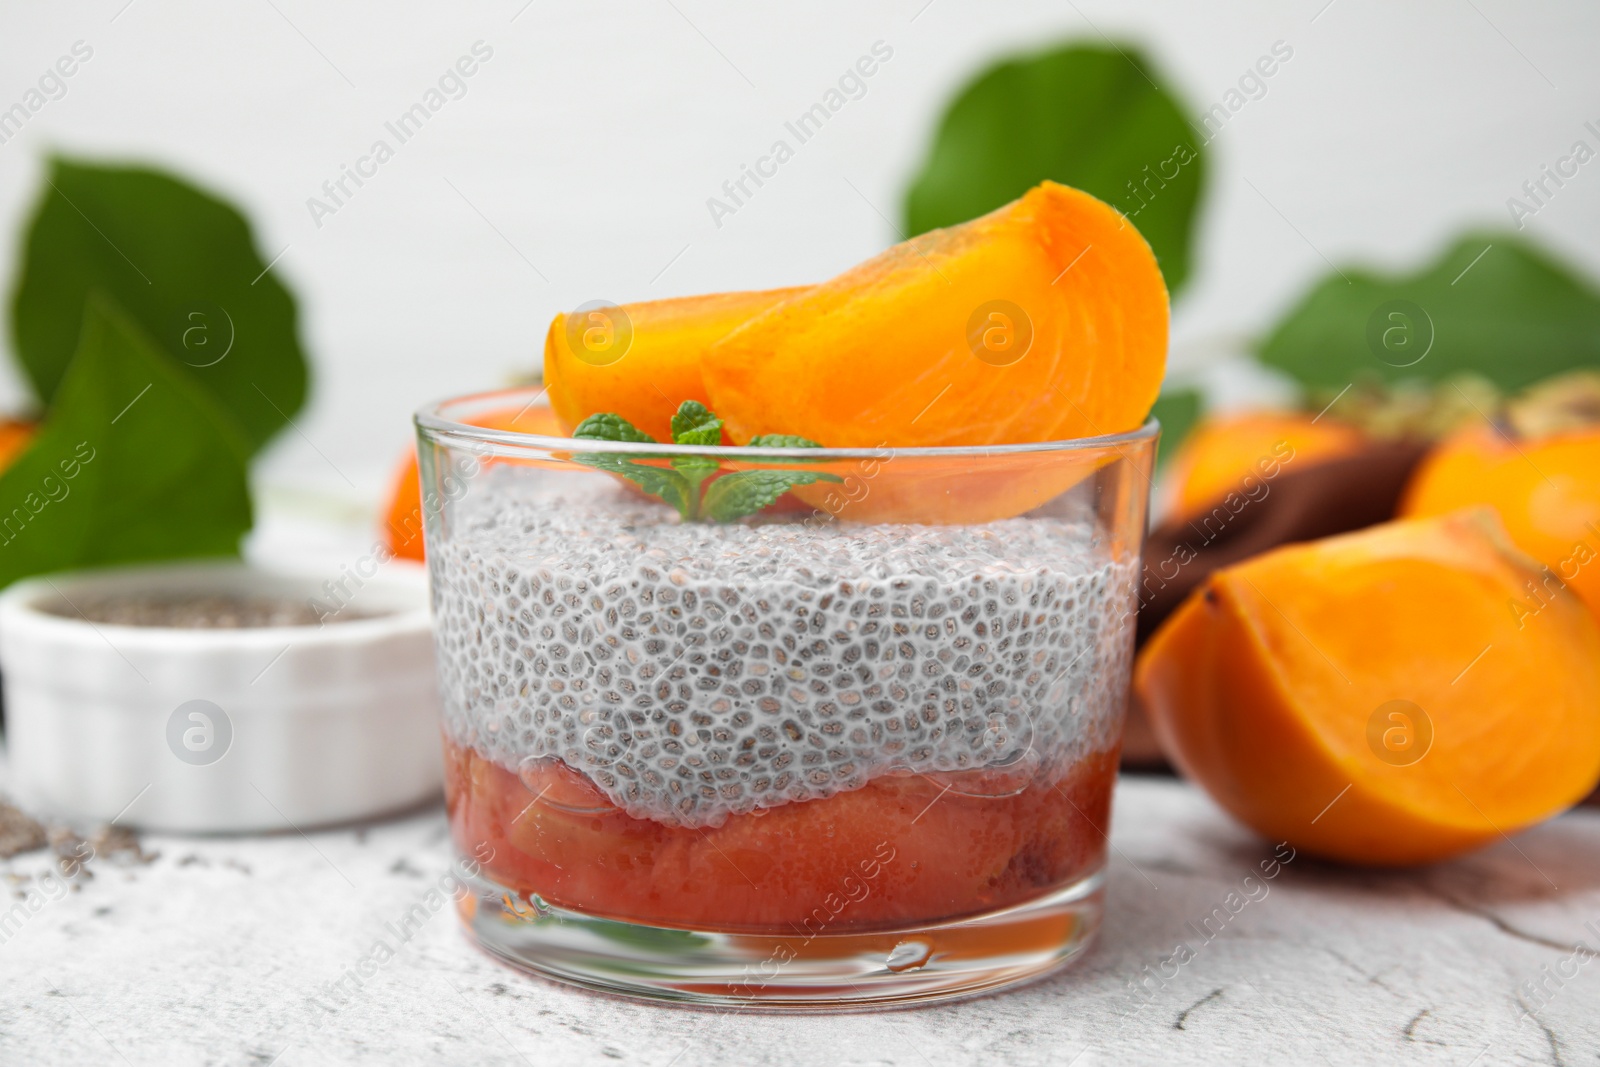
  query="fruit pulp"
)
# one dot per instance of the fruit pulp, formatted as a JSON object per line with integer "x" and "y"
{"x": 902, "y": 850}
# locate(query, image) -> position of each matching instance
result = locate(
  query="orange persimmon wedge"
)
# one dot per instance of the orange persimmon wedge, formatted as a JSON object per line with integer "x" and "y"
{"x": 1369, "y": 697}
{"x": 403, "y": 523}
{"x": 641, "y": 360}
{"x": 1043, "y": 320}
{"x": 937, "y": 490}
{"x": 1547, "y": 491}
{"x": 1225, "y": 454}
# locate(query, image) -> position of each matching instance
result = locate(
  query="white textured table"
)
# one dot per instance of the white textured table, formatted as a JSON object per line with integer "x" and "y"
{"x": 218, "y": 950}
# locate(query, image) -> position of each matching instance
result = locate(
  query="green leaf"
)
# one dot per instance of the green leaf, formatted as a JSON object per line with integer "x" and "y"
{"x": 1093, "y": 117}
{"x": 608, "y": 427}
{"x": 668, "y": 485}
{"x": 135, "y": 462}
{"x": 1178, "y": 410}
{"x": 695, "y": 470}
{"x": 1492, "y": 304}
{"x": 781, "y": 440}
{"x": 695, "y": 425}
{"x": 730, "y": 497}
{"x": 734, "y": 496}
{"x": 182, "y": 264}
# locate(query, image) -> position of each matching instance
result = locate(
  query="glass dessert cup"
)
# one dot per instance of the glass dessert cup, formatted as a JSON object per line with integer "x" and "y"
{"x": 855, "y": 748}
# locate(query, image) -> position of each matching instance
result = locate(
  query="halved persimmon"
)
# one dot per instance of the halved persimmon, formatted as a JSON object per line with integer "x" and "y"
{"x": 1369, "y": 698}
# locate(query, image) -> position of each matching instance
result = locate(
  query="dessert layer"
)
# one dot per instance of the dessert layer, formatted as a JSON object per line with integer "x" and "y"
{"x": 902, "y": 850}
{"x": 695, "y": 671}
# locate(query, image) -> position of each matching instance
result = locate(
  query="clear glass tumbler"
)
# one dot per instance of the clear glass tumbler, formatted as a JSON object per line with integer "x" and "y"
{"x": 783, "y": 727}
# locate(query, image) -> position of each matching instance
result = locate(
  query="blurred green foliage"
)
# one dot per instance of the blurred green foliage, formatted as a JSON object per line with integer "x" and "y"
{"x": 163, "y": 353}
{"x": 1097, "y": 118}
{"x": 179, "y": 262}
{"x": 1492, "y": 304}
{"x": 135, "y": 462}
{"x": 1178, "y": 410}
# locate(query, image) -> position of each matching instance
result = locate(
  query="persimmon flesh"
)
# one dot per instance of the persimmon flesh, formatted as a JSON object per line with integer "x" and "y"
{"x": 1043, "y": 320}
{"x": 641, "y": 360}
{"x": 1547, "y": 492}
{"x": 1275, "y": 686}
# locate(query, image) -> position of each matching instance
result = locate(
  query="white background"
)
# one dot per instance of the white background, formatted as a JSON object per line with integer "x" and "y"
{"x": 586, "y": 148}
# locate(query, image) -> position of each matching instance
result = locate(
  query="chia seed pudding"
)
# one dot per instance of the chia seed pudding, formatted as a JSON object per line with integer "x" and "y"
{"x": 695, "y": 671}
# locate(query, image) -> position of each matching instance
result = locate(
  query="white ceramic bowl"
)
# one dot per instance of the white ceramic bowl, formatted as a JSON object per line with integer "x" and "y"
{"x": 215, "y": 730}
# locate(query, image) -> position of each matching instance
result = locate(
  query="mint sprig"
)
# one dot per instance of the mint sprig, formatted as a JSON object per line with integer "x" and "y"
{"x": 609, "y": 427}
{"x": 695, "y": 425}
{"x": 683, "y": 485}
{"x": 781, "y": 440}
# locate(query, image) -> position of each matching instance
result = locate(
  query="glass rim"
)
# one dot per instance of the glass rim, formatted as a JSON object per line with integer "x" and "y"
{"x": 438, "y": 428}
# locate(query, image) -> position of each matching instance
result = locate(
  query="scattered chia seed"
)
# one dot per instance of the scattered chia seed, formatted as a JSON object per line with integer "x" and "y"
{"x": 19, "y": 831}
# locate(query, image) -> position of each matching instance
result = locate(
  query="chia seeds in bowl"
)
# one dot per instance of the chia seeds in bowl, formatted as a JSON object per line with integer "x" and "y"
{"x": 216, "y": 696}
{"x": 198, "y": 611}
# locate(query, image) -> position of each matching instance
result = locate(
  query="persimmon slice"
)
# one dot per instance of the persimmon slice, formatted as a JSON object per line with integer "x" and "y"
{"x": 641, "y": 360}
{"x": 941, "y": 490}
{"x": 1043, "y": 320}
{"x": 403, "y": 514}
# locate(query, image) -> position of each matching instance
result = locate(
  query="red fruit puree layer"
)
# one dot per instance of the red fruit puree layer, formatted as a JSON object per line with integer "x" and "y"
{"x": 901, "y": 850}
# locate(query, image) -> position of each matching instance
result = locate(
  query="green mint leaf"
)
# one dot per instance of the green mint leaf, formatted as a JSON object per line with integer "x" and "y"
{"x": 734, "y": 496}
{"x": 781, "y": 440}
{"x": 609, "y": 427}
{"x": 695, "y": 470}
{"x": 1492, "y": 304}
{"x": 667, "y": 485}
{"x": 135, "y": 462}
{"x": 182, "y": 265}
{"x": 696, "y": 467}
{"x": 1099, "y": 117}
{"x": 695, "y": 425}
{"x": 730, "y": 497}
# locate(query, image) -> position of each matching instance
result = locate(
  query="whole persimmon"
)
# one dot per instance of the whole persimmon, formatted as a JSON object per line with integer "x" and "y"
{"x": 1546, "y": 489}
{"x": 1369, "y": 698}
{"x": 1228, "y": 453}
